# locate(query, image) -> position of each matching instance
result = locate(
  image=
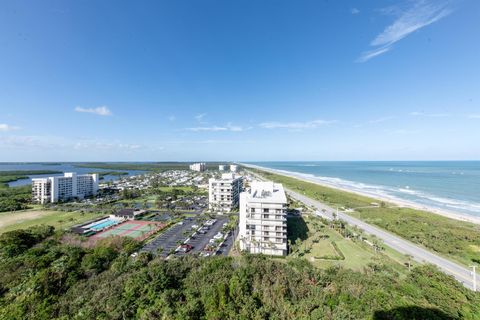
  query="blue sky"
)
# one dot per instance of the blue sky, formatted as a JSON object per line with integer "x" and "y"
{"x": 239, "y": 80}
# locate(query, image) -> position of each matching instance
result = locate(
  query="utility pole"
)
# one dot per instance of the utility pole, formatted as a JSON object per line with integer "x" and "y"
{"x": 474, "y": 278}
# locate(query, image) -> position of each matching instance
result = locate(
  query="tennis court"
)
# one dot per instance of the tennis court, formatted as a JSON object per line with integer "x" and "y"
{"x": 138, "y": 230}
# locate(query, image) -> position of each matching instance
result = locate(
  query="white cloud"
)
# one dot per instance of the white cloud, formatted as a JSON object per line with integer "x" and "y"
{"x": 294, "y": 125}
{"x": 372, "y": 53}
{"x": 474, "y": 116}
{"x": 101, "y": 111}
{"x": 213, "y": 128}
{"x": 354, "y": 11}
{"x": 5, "y": 127}
{"x": 421, "y": 14}
{"x": 66, "y": 145}
{"x": 379, "y": 120}
{"x": 102, "y": 145}
{"x": 431, "y": 115}
{"x": 228, "y": 127}
{"x": 199, "y": 117}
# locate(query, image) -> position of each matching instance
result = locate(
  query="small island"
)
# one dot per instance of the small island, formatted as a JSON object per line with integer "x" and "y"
{"x": 11, "y": 176}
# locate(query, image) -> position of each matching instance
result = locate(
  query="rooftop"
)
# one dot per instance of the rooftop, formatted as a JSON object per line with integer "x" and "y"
{"x": 267, "y": 191}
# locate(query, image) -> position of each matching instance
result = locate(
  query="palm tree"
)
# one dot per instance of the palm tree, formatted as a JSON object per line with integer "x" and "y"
{"x": 409, "y": 261}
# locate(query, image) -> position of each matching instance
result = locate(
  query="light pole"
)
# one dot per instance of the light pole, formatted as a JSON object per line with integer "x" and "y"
{"x": 474, "y": 278}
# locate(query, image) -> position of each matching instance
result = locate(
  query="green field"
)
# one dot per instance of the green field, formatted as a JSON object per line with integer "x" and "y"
{"x": 24, "y": 219}
{"x": 457, "y": 240}
{"x": 182, "y": 188}
{"x": 313, "y": 241}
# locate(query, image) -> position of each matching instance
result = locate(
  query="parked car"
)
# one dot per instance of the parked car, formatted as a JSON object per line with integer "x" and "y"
{"x": 218, "y": 236}
{"x": 185, "y": 248}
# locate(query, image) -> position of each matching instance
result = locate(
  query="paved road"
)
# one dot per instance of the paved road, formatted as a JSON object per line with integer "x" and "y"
{"x": 419, "y": 254}
{"x": 403, "y": 246}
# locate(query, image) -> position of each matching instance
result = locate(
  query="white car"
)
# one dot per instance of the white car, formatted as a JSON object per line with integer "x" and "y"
{"x": 218, "y": 236}
{"x": 195, "y": 226}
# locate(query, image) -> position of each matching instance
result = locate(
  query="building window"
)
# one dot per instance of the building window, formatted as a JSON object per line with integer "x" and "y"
{"x": 266, "y": 210}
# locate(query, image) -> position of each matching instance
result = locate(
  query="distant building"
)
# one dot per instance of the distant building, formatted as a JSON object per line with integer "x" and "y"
{"x": 263, "y": 219}
{"x": 201, "y": 166}
{"x": 128, "y": 214}
{"x": 223, "y": 193}
{"x": 233, "y": 168}
{"x": 63, "y": 188}
{"x": 221, "y": 167}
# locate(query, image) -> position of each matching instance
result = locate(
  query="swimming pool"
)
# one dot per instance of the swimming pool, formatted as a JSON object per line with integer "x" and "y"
{"x": 102, "y": 224}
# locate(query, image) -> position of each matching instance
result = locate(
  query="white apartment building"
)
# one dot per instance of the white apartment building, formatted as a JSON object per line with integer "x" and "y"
{"x": 221, "y": 167}
{"x": 224, "y": 193}
{"x": 201, "y": 166}
{"x": 61, "y": 188}
{"x": 233, "y": 168}
{"x": 263, "y": 219}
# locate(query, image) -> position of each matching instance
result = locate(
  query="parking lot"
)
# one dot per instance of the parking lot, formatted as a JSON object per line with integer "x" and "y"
{"x": 200, "y": 241}
{"x": 168, "y": 240}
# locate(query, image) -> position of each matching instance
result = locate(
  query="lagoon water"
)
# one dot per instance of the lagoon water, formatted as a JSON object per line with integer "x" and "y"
{"x": 447, "y": 185}
{"x": 63, "y": 167}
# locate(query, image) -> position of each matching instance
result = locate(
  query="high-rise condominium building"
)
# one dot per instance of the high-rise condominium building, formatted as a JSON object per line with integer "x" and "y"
{"x": 233, "y": 167}
{"x": 221, "y": 167}
{"x": 62, "y": 188}
{"x": 201, "y": 166}
{"x": 263, "y": 219}
{"x": 223, "y": 193}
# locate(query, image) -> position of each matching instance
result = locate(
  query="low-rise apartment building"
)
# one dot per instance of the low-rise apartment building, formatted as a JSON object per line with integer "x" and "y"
{"x": 224, "y": 193}
{"x": 263, "y": 219}
{"x": 66, "y": 187}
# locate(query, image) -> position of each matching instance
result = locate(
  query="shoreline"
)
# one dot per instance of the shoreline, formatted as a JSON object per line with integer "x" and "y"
{"x": 390, "y": 199}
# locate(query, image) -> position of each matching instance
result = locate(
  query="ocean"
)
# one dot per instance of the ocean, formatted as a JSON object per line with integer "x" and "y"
{"x": 63, "y": 167}
{"x": 446, "y": 185}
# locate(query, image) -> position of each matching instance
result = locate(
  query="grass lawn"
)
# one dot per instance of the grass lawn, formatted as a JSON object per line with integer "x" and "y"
{"x": 170, "y": 189}
{"x": 304, "y": 231}
{"x": 451, "y": 238}
{"x": 28, "y": 218}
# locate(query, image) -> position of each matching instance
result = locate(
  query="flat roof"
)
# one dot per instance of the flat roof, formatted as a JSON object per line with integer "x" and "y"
{"x": 267, "y": 191}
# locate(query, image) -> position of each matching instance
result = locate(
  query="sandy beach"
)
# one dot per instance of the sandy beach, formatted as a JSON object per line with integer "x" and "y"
{"x": 375, "y": 196}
